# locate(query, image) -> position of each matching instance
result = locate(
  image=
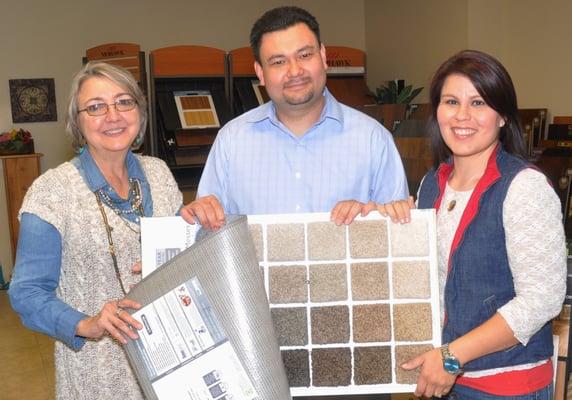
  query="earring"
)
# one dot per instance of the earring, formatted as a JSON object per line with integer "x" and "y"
{"x": 137, "y": 142}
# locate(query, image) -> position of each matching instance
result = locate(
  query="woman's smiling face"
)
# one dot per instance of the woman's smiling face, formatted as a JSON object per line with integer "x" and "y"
{"x": 468, "y": 125}
{"x": 114, "y": 131}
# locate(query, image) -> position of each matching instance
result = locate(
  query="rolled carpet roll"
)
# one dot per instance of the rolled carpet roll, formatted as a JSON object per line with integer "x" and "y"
{"x": 219, "y": 276}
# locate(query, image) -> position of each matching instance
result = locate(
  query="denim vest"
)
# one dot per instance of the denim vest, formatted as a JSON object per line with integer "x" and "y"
{"x": 479, "y": 280}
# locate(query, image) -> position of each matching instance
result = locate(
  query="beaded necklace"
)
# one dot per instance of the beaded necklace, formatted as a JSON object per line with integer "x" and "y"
{"x": 135, "y": 199}
{"x": 136, "y": 202}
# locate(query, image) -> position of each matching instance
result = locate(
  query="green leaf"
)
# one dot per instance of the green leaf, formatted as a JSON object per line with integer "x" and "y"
{"x": 392, "y": 91}
{"x": 405, "y": 92}
{"x": 387, "y": 93}
{"x": 413, "y": 94}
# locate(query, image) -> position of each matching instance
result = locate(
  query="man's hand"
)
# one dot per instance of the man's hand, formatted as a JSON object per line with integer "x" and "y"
{"x": 206, "y": 210}
{"x": 345, "y": 212}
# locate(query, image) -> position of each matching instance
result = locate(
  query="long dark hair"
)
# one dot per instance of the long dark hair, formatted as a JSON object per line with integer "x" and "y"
{"x": 494, "y": 84}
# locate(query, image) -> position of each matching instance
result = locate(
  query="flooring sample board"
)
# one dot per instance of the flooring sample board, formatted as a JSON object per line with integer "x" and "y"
{"x": 196, "y": 109}
{"x": 350, "y": 304}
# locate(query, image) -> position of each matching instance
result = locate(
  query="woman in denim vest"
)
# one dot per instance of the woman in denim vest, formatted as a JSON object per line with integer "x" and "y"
{"x": 501, "y": 244}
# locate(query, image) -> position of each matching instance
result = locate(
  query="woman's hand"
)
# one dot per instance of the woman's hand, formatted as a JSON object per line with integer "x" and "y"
{"x": 433, "y": 379}
{"x": 136, "y": 268}
{"x": 112, "y": 320}
{"x": 398, "y": 211}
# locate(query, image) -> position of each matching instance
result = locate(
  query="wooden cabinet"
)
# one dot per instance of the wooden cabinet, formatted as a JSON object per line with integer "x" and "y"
{"x": 19, "y": 173}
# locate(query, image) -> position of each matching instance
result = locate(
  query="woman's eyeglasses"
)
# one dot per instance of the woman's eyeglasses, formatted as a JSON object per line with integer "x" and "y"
{"x": 121, "y": 105}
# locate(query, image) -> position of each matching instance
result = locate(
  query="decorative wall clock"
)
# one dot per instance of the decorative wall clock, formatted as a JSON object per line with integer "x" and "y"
{"x": 33, "y": 100}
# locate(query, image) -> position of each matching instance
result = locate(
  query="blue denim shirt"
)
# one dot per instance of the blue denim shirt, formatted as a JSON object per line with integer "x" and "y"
{"x": 479, "y": 280}
{"x": 38, "y": 260}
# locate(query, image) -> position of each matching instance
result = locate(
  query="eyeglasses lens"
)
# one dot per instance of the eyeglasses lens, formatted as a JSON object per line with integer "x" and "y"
{"x": 120, "y": 105}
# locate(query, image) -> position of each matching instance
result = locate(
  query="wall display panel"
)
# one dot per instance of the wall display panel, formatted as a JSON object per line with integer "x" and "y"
{"x": 126, "y": 55}
{"x": 196, "y": 110}
{"x": 186, "y": 131}
{"x": 346, "y": 76}
{"x": 189, "y": 105}
{"x": 413, "y": 143}
{"x": 556, "y": 162}
{"x": 350, "y": 304}
{"x": 260, "y": 92}
{"x": 246, "y": 92}
{"x": 533, "y": 122}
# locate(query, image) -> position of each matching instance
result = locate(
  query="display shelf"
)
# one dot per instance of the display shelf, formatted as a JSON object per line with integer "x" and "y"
{"x": 189, "y": 104}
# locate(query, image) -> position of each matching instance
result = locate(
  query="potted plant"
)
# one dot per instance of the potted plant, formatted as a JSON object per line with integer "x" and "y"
{"x": 391, "y": 100}
{"x": 16, "y": 141}
{"x": 395, "y": 92}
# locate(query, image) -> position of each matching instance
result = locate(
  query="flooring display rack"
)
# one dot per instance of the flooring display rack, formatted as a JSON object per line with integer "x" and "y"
{"x": 189, "y": 104}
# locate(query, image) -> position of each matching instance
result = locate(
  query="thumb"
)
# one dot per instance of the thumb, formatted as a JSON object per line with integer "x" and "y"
{"x": 411, "y": 202}
{"x": 412, "y": 364}
{"x": 367, "y": 208}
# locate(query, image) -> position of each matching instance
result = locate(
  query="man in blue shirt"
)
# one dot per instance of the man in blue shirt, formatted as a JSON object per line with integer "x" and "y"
{"x": 303, "y": 151}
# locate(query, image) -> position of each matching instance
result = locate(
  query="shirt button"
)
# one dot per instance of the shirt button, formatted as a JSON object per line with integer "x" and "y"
{"x": 298, "y": 175}
{"x": 298, "y": 207}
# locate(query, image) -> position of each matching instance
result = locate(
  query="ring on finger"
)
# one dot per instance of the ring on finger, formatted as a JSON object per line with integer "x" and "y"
{"x": 118, "y": 311}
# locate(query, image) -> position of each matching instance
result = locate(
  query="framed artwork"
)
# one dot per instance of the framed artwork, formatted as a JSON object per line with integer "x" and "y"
{"x": 33, "y": 100}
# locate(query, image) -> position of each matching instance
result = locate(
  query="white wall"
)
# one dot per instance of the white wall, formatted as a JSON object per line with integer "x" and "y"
{"x": 409, "y": 39}
{"x": 533, "y": 39}
{"x": 403, "y": 39}
{"x": 47, "y": 39}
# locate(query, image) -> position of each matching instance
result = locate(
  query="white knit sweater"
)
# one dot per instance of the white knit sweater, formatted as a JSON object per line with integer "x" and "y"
{"x": 100, "y": 370}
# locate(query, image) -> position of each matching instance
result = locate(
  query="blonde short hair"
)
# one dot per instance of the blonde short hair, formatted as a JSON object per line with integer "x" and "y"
{"x": 115, "y": 74}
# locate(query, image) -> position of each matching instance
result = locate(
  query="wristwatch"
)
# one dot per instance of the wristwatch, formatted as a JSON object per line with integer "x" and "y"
{"x": 450, "y": 363}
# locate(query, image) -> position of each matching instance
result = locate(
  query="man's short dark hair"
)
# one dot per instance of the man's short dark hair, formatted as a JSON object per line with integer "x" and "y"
{"x": 278, "y": 19}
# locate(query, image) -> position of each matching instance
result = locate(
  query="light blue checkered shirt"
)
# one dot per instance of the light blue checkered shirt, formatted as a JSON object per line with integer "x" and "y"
{"x": 257, "y": 166}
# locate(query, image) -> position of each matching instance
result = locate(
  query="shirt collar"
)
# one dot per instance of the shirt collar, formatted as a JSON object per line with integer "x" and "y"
{"x": 332, "y": 110}
{"x": 95, "y": 179}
